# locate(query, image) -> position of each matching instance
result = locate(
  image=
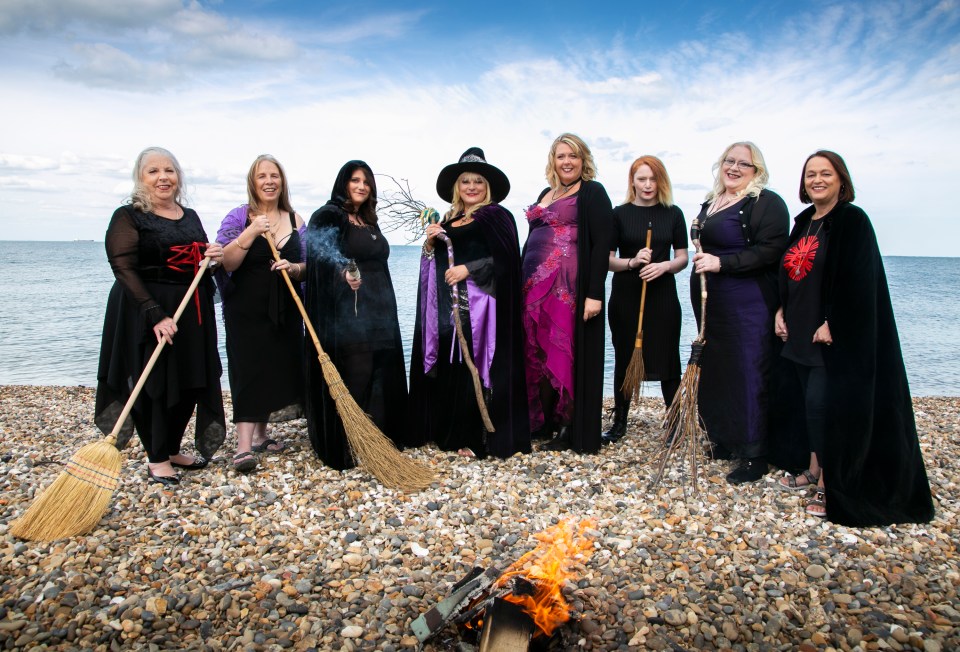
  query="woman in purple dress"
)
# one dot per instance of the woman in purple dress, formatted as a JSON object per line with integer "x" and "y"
{"x": 564, "y": 269}
{"x": 263, "y": 324}
{"x": 743, "y": 235}
{"x": 486, "y": 274}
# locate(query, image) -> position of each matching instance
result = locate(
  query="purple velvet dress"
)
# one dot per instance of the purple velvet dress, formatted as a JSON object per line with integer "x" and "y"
{"x": 737, "y": 355}
{"x": 549, "y": 306}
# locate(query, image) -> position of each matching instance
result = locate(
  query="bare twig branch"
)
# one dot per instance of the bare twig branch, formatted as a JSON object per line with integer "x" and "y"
{"x": 399, "y": 210}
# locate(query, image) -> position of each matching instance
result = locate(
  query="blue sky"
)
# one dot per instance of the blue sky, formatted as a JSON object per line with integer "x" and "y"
{"x": 408, "y": 87}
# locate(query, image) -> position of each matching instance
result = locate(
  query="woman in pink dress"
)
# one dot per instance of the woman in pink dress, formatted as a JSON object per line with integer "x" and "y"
{"x": 564, "y": 271}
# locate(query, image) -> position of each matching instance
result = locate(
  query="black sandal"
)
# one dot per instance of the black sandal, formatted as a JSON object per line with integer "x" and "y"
{"x": 244, "y": 462}
{"x": 791, "y": 480}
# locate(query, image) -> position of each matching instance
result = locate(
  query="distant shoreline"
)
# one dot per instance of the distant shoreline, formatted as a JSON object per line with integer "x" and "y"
{"x": 392, "y": 244}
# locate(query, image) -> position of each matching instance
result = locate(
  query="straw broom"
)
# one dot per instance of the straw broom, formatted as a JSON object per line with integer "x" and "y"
{"x": 633, "y": 379}
{"x": 76, "y": 501}
{"x": 683, "y": 431}
{"x": 371, "y": 449}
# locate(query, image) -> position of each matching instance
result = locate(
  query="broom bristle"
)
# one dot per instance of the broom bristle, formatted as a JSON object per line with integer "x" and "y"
{"x": 634, "y": 376}
{"x": 372, "y": 450}
{"x": 76, "y": 501}
{"x": 683, "y": 434}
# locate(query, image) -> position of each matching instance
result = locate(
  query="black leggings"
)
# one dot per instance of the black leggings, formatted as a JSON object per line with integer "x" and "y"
{"x": 813, "y": 382}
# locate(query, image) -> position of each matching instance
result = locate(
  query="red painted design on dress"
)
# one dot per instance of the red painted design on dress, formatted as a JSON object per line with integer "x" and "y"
{"x": 798, "y": 260}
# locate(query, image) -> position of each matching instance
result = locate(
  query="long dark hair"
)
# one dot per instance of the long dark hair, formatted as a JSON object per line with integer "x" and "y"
{"x": 341, "y": 197}
{"x": 846, "y": 182}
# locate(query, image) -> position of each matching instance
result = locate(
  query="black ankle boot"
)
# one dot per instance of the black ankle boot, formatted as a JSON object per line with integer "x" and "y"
{"x": 543, "y": 432}
{"x": 619, "y": 426}
{"x": 750, "y": 470}
{"x": 560, "y": 442}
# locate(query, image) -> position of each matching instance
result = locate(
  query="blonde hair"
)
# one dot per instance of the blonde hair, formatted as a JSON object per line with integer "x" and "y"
{"x": 660, "y": 177}
{"x": 579, "y": 148}
{"x": 283, "y": 202}
{"x": 757, "y": 183}
{"x": 140, "y": 196}
{"x": 456, "y": 206}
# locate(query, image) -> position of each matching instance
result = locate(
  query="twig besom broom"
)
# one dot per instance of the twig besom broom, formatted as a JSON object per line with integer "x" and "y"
{"x": 431, "y": 215}
{"x": 76, "y": 501}
{"x": 371, "y": 449}
{"x": 683, "y": 431}
{"x": 633, "y": 379}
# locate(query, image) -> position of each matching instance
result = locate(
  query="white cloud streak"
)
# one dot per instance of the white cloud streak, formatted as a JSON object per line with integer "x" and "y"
{"x": 879, "y": 83}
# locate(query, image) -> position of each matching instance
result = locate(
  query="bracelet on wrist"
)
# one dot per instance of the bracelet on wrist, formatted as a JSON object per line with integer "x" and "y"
{"x": 237, "y": 242}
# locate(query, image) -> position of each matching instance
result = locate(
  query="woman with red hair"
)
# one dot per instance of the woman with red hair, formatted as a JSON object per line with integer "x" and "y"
{"x": 648, "y": 209}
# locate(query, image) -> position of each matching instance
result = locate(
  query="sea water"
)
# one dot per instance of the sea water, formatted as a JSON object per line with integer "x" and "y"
{"x": 53, "y": 295}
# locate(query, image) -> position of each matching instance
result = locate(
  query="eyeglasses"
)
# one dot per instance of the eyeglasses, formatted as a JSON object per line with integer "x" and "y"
{"x": 740, "y": 165}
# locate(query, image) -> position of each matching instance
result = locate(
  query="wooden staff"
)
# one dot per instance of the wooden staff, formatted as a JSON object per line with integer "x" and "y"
{"x": 371, "y": 449}
{"x": 633, "y": 379}
{"x": 477, "y": 384}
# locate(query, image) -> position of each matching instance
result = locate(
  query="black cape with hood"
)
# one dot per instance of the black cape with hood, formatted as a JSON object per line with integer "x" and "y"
{"x": 373, "y": 371}
{"x": 874, "y": 471}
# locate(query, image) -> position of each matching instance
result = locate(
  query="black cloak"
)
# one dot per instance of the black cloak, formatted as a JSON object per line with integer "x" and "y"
{"x": 364, "y": 346}
{"x": 874, "y": 469}
{"x": 507, "y": 405}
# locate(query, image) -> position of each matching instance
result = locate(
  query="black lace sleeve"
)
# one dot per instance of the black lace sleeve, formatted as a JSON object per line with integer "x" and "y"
{"x": 123, "y": 252}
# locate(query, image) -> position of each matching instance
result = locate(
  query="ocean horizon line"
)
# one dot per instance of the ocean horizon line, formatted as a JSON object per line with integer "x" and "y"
{"x": 412, "y": 244}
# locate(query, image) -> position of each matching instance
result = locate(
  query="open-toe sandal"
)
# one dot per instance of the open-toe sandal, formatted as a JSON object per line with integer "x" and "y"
{"x": 244, "y": 462}
{"x": 802, "y": 481}
{"x": 268, "y": 446}
{"x": 818, "y": 505}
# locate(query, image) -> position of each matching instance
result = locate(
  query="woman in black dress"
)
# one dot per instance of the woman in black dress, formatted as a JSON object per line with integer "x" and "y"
{"x": 263, "y": 324}
{"x": 352, "y": 305}
{"x": 486, "y": 273}
{"x": 155, "y": 246}
{"x": 649, "y": 208}
{"x": 743, "y": 235}
{"x": 841, "y": 406}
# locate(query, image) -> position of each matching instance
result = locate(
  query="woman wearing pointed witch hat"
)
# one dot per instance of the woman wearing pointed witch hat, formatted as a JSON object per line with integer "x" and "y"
{"x": 486, "y": 273}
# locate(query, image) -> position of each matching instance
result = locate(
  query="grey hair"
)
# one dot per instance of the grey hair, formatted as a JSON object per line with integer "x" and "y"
{"x": 140, "y": 196}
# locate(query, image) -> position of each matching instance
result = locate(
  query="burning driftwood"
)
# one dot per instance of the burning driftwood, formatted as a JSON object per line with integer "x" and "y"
{"x": 531, "y": 588}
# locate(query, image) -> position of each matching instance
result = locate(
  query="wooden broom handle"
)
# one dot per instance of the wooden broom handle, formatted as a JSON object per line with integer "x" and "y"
{"x": 643, "y": 293}
{"x": 156, "y": 353}
{"x": 296, "y": 297}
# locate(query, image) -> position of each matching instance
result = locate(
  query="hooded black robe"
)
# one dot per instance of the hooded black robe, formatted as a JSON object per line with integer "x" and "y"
{"x": 359, "y": 331}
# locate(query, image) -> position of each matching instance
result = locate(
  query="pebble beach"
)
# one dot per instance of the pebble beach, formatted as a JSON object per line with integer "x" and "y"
{"x": 298, "y": 556}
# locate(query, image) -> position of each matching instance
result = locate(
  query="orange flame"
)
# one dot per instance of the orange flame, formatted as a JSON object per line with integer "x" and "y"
{"x": 548, "y": 567}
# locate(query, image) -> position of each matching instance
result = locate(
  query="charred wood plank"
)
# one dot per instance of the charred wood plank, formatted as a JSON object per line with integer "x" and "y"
{"x": 506, "y": 628}
{"x": 430, "y": 622}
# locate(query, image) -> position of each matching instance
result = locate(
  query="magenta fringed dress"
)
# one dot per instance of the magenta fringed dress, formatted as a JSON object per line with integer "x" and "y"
{"x": 549, "y": 306}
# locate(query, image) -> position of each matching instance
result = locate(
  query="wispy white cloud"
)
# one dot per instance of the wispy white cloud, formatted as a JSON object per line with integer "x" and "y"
{"x": 878, "y": 82}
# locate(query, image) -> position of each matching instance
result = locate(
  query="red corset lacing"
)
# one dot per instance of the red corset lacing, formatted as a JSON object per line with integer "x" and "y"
{"x": 182, "y": 258}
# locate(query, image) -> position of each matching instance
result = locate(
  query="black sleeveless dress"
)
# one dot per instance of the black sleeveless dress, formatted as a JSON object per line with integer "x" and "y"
{"x": 264, "y": 336}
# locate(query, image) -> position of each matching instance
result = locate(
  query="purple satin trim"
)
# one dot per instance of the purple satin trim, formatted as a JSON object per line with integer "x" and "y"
{"x": 428, "y": 313}
{"x": 483, "y": 324}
